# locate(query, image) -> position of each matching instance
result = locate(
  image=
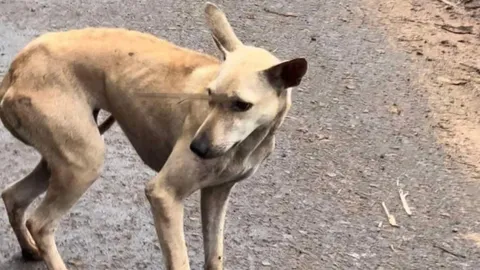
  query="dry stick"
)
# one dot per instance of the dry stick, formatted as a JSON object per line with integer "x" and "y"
{"x": 390, "y": 217}
{"x": 404, "y": 201}
{"x": 472, "y": 7}
{"x": 448, "y": 3}
{"x": 460, "y": 30}
{"x": 299, "y": 249}
{"x": 444, "y": 249}
{"x": 288, "y": 14}
{"x": 477, "y": 69}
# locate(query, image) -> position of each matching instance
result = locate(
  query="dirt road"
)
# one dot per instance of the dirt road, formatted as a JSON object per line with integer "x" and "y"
{"x": 359, "y": 130}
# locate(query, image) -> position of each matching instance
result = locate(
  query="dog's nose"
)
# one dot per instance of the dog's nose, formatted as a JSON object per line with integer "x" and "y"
{"x": 200, "y": 147}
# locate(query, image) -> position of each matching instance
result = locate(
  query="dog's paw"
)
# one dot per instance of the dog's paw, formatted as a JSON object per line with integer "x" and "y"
{"x": 29, "y": 255}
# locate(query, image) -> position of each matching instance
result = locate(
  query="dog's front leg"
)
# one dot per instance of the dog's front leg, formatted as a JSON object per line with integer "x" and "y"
{"x": 214, "y": 206}
{"x": 167, "y": 208}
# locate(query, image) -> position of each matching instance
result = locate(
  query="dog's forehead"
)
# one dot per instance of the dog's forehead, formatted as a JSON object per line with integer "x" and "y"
{"x": 239, "y": 74}
{"x": 251, "y": 59}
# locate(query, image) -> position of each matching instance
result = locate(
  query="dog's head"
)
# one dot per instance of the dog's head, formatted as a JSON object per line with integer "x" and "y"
{"x": 256, "y": 82}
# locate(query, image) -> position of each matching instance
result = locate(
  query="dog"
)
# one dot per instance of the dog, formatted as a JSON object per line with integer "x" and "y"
{"x": 56, "y": 86}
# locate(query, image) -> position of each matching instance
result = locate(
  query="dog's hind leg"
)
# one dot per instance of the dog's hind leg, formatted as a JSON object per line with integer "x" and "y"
{"x": 69, "y": 180}
{"x": 214, "y": 202}
{"x": 67, "y": 185}
{"x": 65, "y": 134}
{"x": 17, "y": 198}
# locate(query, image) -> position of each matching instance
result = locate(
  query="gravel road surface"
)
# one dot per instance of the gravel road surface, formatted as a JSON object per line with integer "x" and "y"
{"x": 358, "y": 131}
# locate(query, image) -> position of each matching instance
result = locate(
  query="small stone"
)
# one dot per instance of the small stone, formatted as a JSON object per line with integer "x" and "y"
{"x": 75, "y": 262}
{"x": 266, "y": 263}
{"x": 303, "y": 130}
{"x": 321, "y": 137}
{"x": 331, "y": 174}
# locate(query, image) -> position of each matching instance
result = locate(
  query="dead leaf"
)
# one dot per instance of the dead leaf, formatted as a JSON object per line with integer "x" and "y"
{"x": 395, "y": 109}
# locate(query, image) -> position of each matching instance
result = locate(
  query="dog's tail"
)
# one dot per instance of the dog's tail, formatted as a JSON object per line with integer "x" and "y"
{"x": 107, "y": 124}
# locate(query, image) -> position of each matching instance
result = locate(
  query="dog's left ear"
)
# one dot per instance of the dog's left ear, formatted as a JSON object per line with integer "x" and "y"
{"x": 286, "y": 74}
{"x": 222, "y": 31}
{"x": 220, "y": 47}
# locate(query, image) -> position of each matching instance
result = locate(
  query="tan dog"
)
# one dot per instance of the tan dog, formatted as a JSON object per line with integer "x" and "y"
{"x": 57, "y": 84}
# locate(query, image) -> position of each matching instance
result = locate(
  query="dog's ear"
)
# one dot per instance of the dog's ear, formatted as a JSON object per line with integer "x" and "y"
{"x": 286, "y": 74}
{"x": 222, "y": 32}
{"x": 220, "y": 48}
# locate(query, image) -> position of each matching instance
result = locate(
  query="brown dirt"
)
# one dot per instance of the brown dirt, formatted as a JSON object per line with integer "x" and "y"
{"x": 449, "y": 65}
{"x": 443, "y": 39}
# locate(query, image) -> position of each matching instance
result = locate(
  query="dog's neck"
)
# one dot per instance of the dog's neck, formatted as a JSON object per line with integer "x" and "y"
{"x": 263, "y": 136}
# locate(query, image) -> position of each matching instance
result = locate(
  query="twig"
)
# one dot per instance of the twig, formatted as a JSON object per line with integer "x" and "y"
{"x": 452, "y": 82}
{"x": 448, "y": 3}
{"x": 462, "y": 30}
{"x": 302, "y": 250}
{"x": 404, "y": 201}
{"x": 472, "y": 7}
{"x": 477, "y": 69}
{"x": 391, "y": 218}
{"x": 288, "y": 14}
{"x": 444, "y": 249}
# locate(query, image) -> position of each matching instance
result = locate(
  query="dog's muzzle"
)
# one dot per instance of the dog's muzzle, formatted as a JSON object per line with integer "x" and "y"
{"x": 201, "y": 146}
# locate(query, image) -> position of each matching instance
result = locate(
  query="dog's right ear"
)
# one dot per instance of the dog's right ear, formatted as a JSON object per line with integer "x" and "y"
{"x": 222, "y": 31}
{"x": 286, "y": 74}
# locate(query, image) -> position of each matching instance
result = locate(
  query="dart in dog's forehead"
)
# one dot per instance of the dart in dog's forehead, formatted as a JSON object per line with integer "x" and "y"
{"x": 211, "y": 97}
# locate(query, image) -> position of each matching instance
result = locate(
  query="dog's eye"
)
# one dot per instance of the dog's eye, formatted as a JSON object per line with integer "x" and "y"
{"x": 209, "y": 91}
{"x": 241, "y": 106}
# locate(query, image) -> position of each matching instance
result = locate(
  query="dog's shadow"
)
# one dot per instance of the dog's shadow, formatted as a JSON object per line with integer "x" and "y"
{"x": 16, "y": 262}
